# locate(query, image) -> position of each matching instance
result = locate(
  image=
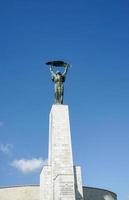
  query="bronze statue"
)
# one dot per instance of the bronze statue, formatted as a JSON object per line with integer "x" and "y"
{"x": 58, "y": 78}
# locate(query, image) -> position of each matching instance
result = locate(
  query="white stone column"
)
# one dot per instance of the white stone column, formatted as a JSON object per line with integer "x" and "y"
{"x": 59, "y": 180}
{"x": 60, "y": 150}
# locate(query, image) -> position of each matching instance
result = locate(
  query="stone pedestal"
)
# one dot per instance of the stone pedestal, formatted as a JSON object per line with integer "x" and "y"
{"x": 60, "y": 180}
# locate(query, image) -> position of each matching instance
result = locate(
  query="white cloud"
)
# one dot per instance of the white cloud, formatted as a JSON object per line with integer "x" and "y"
{"x": 1, "y": 123}
{"x": 6, "y": 148}
{"x": 108, "y": 197}
{"x": 27, "y": 166}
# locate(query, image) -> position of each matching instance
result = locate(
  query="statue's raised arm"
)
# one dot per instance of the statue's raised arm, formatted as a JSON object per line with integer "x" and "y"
{"x": 66, "y": 70}
{"x": 53, "y": 74}
{"x": 51, "y": 70}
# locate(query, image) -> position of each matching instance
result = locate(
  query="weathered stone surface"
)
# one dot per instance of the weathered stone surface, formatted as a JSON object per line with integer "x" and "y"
{"x": 46, "y": 183}
{"x": 64, "y": 180}
{"x": 20, "y": 193}
{"x": 78, "y": 183}
{"x": 31, "y": 192}
{"x": 60, "y": 150}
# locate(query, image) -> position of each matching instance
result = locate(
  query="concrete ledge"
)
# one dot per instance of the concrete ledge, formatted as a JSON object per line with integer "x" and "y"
{"x": 31, "y": 192}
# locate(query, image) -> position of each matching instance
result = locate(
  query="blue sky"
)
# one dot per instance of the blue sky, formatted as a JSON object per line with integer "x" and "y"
{"x": 94, "y": 37}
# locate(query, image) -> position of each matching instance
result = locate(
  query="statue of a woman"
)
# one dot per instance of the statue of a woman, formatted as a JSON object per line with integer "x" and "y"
{"x": 59, "y": 78}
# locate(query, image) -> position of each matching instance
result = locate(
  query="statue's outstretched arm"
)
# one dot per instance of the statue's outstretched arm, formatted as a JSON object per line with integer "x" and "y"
{"x": 51, "y": 70}
{"x": 66, "y": 70}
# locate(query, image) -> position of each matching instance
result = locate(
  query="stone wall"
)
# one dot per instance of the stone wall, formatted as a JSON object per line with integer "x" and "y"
{"x": 20, "y": 193}
{"x": 32, "y": 193}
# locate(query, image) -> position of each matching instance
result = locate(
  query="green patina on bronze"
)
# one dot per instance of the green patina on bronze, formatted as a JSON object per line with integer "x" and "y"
{"x": 58, "y": 78}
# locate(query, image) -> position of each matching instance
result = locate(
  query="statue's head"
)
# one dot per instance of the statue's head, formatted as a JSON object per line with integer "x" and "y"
{"x": 58, "y": 72}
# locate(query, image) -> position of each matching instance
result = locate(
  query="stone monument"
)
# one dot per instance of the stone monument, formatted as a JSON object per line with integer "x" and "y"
{"x": 60, "y": 179}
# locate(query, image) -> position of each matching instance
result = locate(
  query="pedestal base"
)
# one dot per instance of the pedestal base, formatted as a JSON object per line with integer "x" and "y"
{"x": 60, "y": 180}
